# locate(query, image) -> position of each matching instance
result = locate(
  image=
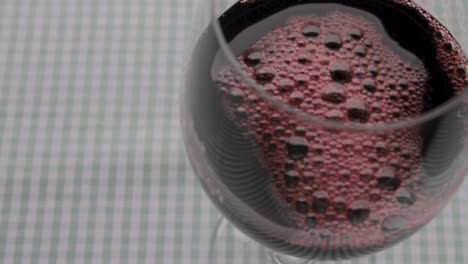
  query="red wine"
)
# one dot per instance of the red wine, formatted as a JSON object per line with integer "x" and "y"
{"x": 342, "y": 193}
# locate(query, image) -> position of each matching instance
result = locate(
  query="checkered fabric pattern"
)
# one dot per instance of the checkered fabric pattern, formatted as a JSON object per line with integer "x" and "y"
{"x": 92, "y": 166}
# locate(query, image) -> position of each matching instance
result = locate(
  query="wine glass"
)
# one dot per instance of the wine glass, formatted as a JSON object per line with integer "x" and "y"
{"x": 323, "y": 130}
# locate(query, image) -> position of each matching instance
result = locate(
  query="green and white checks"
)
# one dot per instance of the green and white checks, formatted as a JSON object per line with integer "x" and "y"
{"x": 92, "y": 166}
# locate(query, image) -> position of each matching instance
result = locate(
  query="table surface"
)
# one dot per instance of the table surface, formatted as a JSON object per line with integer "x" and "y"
{"x": 92, "y": 166}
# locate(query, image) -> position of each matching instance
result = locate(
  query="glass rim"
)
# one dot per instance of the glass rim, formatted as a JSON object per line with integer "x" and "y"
{"x": 425, "y": 117}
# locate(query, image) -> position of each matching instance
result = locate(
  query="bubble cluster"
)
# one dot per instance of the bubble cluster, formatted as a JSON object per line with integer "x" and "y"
{"x": 336, "y": 66}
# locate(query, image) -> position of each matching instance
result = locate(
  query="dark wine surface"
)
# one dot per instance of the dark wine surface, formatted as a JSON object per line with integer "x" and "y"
{"x": 340, "y": 193}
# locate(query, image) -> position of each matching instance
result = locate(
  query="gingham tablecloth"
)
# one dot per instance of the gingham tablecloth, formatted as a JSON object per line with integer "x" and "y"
{"x": 92, "y": 167}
